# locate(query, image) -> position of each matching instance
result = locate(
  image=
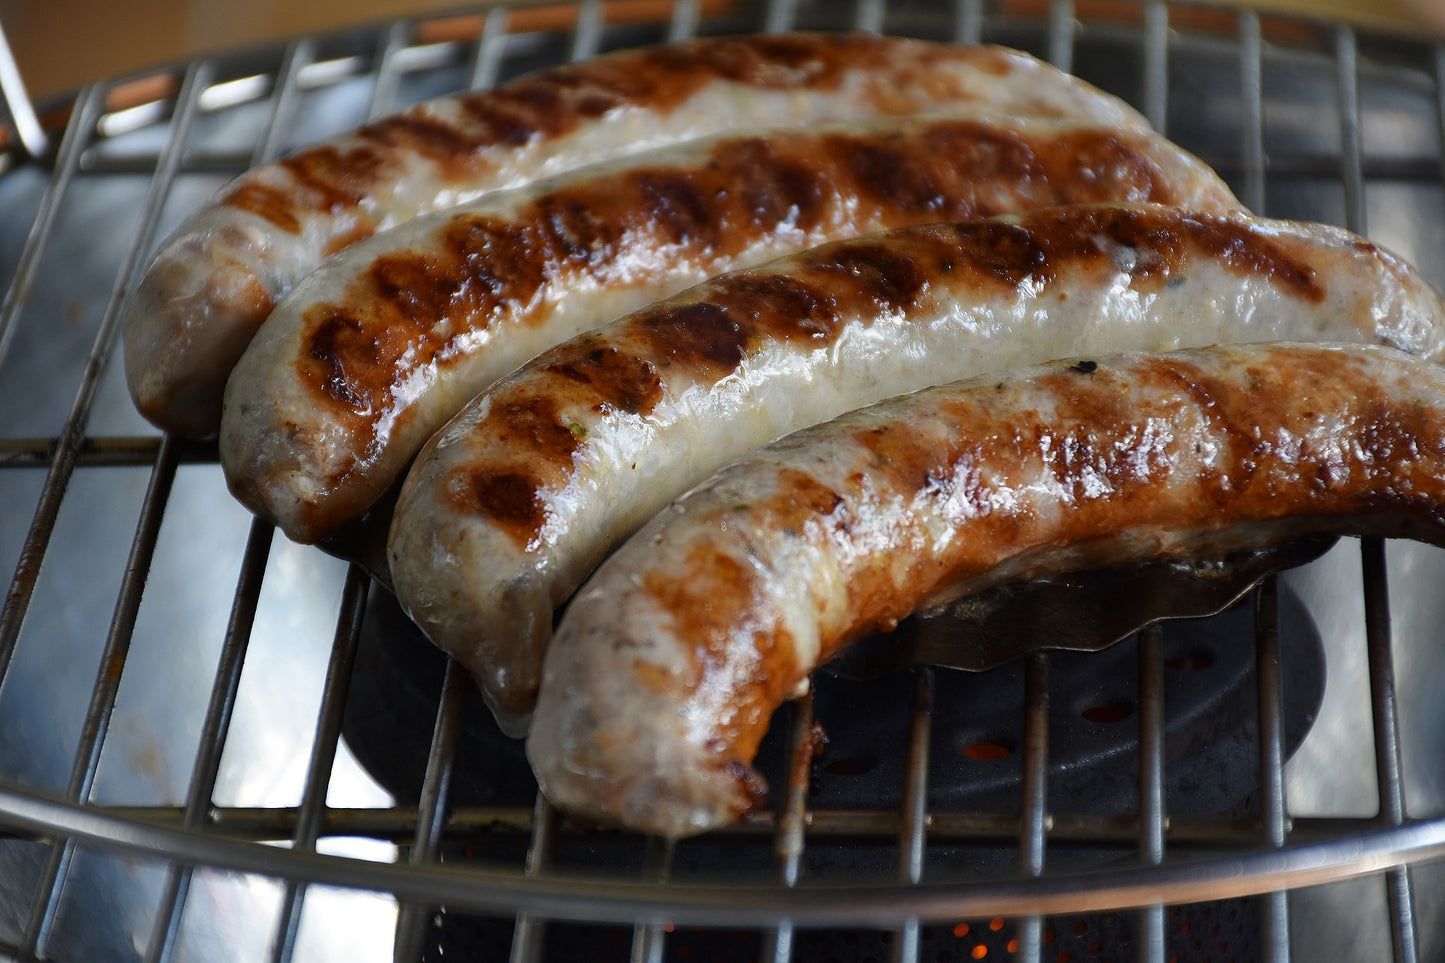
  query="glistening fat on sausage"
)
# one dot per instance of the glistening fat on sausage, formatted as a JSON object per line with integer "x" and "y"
{"x": 668, "y": 665}
{"x": 376, "y": 349}
{"x": 514, "y": 502}
{"x": 218, "y": 276}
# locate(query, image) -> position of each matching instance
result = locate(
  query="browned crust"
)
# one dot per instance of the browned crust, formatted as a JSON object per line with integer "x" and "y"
{"x": 706, "y": 337}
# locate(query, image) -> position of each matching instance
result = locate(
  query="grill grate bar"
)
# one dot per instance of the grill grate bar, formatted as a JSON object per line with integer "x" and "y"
{"x": 1061, "y": 34}
{"x": 870, "y": 16}
{"x": 588, "y": 37}
{"x": 780, "y": 15}
{"x": 1440, "y": 105}
{"x": 397, "y": 824}
{"x": 649, "y": 940}
{"x": 489, "y": 891}
{"x": 913, "y": 826}
{"x": 44, "y": 909}
{"x": 72, "y": 149}
{"x": 789, "y": 840}
{"x": 1155, "y": 86}
{"x": 1385, "y": 716}
{"x": 431, "y": 806}
{"x": 309, "y": 816}
{"x": 1270, "y": 700}
{"x": 684, "y": 21}
{"x": 1351, "y": 153}
{"x": 213, "y": 732}
{"x": 968, "y": 20}
{"x": 388, "y": 77}
{"x": 1251, "y": 84}
{"x": 1034, "y": 824}
{"x": 491, "y": 45}
{"x": 298, "y": 55}
{"x": 1151, "y": 781}
{"x": 86, "y": 761}
{"x": 528, "y": 932}
{"x": 37, "y": 539}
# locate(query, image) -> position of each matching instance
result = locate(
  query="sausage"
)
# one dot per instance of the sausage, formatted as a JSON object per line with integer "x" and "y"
{"x": 670, "y": 662}
{"x": 378, "y": 348}
{"x": 510, "y": 506}
{"x": 217, "y": 277}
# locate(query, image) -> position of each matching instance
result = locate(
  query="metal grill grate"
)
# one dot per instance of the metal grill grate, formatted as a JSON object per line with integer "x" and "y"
{"x": 84, "y": 474}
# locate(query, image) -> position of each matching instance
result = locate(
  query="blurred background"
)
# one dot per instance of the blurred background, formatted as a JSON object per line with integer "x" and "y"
{"x": 60, "y": 44}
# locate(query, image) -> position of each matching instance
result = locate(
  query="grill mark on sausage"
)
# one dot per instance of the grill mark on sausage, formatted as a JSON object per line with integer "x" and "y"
{"x": 508, "y": 498}
{"x": 723, "y": 610}
{"x": 874, "y": 276}
{"x": 336, "y": 347}
{"x": 268, "y": 202}
{"x": 1033, "y": 249}
{"x": 557, "y": 102}
{"x": 508, "y": 493}
{"x": 334, "y": 179}
{"x": 772, "y": 185}
{"x": 488, "y": 267}
{"x": 614, "y": 378}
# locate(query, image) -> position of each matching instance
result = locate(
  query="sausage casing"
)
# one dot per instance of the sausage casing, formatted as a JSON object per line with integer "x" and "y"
{"x": 375, "y": 350}
{"x": 221, "y": 272}
{"x": 668, "y": 665}
{"x": 518, "y": 498}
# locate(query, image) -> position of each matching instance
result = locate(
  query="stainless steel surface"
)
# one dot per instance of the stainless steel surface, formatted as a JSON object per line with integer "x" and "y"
{"x": 175, "y": 774}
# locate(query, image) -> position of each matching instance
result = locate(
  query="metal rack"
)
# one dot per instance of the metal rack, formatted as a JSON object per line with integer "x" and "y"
{"x": 143, "y": 158}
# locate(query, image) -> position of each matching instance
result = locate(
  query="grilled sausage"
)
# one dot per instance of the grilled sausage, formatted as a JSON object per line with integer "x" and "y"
{"x": 514, "y": 501}
{"x": 378, "y": 348}
{"x": 670, "y": 662}
{"x": 218, "y": 276}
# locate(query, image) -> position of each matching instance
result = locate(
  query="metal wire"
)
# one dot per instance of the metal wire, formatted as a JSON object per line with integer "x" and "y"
{"x": 213, "y": 734}
{"x": 1151, "y": 782}
{"x": 1270, "y": 699}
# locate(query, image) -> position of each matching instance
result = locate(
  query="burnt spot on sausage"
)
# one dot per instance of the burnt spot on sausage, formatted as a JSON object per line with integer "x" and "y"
{"x": 338, "y": 343}
{"x": 773, "y": 186}
{"x": 873, "y": 275}
{"x": 535, "y": 425}
{"x": 903, "y": 461}
{"x": 1000, "y": 253}
{"x": 684, "y": 213}
{"x": 334, "y": 179}
{"x": 893, "y": 175}
{"x": 1154, "y": 245}
{"x": 413, "y": 285}
{"x": 509, "y": 499}
{"x": 616, "y": 379}
{"x": 1171, "y": 237}
{"x": 1118, "y": 171}
{"x": 495, "y": 121}
{"x": 444, "y": 144}
{"x": 739, "y": 645}
{"x": 565, "y": 227}
{"x": 263, "y": 200}
{"x": 700, "y": 336}
{"x": 510, "y": 492}
{"x": 711, "y": 337}
{"x": 500, "y": 257}
{"x": 803, "y": 501}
